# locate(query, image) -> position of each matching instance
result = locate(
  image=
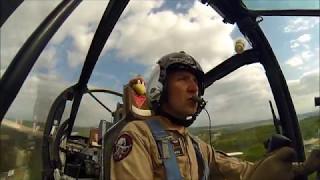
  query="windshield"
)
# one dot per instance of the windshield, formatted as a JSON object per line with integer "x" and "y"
{"x": 297, "y": 51}
{"x": 281, "y": 5}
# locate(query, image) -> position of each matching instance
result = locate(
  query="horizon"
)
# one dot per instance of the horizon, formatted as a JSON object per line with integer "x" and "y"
{"x": 217, "y": 125}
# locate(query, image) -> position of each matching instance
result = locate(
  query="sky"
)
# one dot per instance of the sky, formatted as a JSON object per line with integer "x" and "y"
{"x": 147, "y": 30}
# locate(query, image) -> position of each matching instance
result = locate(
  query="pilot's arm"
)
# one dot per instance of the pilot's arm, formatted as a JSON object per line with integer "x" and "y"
{"x": 222, "y": 166}
{"x": 279, "y": 165}
{"x": 131, "y": 155}
{"x": 310, "y": 165}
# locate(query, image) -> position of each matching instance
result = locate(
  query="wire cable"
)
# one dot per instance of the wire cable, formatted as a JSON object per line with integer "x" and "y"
{"x": 209, "y": 129}
{"x": 94, "y": 97}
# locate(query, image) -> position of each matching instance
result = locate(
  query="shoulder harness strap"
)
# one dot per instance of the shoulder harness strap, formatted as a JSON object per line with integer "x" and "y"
{"x": 165, "y": 149}
{"x": 203, "y": 168}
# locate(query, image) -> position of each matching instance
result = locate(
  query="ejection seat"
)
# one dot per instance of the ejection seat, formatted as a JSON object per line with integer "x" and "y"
{"x": 134, "y": 107}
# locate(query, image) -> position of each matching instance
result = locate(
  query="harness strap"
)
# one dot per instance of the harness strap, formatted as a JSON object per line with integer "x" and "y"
{"x": 203, "y": 168}
{"x": 165, "y": 148}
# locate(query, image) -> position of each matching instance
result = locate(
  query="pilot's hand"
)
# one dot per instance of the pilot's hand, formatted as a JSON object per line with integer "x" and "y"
{"x": 138, "y": 85}
{"x": 312, "y": 163}
{"x": 276, "y": 166}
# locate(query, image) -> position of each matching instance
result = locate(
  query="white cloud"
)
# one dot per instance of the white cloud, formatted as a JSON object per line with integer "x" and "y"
{"x": 47, "y": 59}
{"x": 145, "y": 36}
{"x": 79, "y": 28}
{"x": 304, "y": 38}
{"x": 19, "y": 27}
{"x": 42, "y": 88}
{"x": 303, "y": 91}
{"x": 301, "y": 24}
{"x": 75, "y": 58}
{"x": 242, "y": 96}
{"x": 300, "y": 59}
{"x": 307, "y": 55}
{"x": 295, "y": 61}
{"x": 39, "y": 92}
{"x": 90, "y": 112}
{"x": 294, "y": 44}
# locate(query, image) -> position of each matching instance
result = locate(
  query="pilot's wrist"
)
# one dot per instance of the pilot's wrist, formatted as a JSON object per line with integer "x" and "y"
{"x": 299, "y": 168}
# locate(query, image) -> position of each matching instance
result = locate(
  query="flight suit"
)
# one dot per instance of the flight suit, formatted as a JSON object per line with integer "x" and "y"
{"x": 135, "y": 155}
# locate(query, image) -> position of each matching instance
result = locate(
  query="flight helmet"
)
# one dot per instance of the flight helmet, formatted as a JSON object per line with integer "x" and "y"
{"x": 157, "y": 84}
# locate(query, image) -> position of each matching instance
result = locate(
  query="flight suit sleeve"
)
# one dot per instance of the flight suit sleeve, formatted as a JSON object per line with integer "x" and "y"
{"x": 230, "y": 167}
{"x": 224, "y": 167}
{"x": 131, "y": 157}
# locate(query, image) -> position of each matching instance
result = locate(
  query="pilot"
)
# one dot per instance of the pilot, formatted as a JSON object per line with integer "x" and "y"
{"x": 163, "y": 148}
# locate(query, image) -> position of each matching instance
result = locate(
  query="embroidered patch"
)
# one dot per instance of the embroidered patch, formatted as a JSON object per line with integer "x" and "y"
{"x": 177, "y": 148}
{"x": 122, "y": 147}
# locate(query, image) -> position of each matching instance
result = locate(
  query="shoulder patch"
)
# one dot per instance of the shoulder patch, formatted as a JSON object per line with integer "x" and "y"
{"x": 122, "y": 147}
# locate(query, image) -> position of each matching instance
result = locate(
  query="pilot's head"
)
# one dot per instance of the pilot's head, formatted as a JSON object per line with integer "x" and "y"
{"x": 175, "y": 80}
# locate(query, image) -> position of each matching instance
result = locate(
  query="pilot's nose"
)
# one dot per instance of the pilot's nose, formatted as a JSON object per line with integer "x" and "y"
{"x": 193, "y": 87}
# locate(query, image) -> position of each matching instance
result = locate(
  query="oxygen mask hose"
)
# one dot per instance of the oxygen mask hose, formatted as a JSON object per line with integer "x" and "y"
{"x": 210, "y": 142}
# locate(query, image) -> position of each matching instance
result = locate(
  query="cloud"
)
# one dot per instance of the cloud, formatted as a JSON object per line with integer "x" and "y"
{"x": 35, "y": 88}
{"x": 78, "y": 29}
{"x": 301, "y": 41}
{"x": 241, "y": 96}
{"x": 303, "y": 53}
{"x": 146, "y": 35}
{"x": 294, "y": 44}
{"x": 307, "y": 55}
{"x": 143, "y": 35}
{"x": 90, "y": 112}
{"x": 295, "y": 61}
{"x": 301, "y": 24}
{"x": 303, "y": 91}
{"x": 39, "y": 92}
{"x": 304, "y": 38}
{"x": 19, "y": 27}
{"x": 112, "y": 79}
{"x": 301, "y": 58}
{"x": 47, "y": 59}
{"x": 75, "y": 58}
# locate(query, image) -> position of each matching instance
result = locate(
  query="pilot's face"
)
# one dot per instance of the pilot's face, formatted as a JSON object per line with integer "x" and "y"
{"x": 182, "y": 85}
